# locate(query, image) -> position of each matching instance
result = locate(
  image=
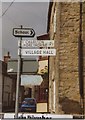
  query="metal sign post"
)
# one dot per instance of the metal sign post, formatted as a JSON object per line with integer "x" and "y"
{"x": 20, "y": 32}
{"x": 18, "y": 79}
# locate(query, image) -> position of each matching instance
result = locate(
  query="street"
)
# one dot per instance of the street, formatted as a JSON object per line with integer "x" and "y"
{"x": 41, "y": 108}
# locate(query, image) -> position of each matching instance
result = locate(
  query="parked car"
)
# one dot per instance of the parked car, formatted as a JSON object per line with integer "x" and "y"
{"x": 28, "y": 105}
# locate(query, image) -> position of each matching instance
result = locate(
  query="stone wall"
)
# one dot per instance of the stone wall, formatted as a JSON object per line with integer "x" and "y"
{"x": 68, "y": 51}
{"x": 66, "y": 62}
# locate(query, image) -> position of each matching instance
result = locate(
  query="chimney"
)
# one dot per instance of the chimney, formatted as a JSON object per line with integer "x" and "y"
{"x": 7, "y": 57}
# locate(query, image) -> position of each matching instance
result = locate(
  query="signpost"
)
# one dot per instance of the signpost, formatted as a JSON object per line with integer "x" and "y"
{"x": 20, "y": 32}
{"x": 38, "y": 43}
{"x": 38, "y": 52}
{"x": 23, "y": 32}
{"x": 31, "y": 80}
{"x": 29, "y": 32}
{"x": 28, "y": 66}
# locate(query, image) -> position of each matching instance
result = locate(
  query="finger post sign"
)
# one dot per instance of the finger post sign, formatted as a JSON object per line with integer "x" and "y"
{"x": 37, "y": 43}
{"x": 38, "y": 52}
{"x": 23, "y": 32}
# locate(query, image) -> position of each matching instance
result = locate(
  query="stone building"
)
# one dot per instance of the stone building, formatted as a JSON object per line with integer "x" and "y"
{"x": 66, "y": 26}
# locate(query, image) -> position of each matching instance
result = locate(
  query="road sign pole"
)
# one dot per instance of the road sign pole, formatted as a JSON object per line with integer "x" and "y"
{"x": 18, "y": 79}
{"x": 20, "y": 32}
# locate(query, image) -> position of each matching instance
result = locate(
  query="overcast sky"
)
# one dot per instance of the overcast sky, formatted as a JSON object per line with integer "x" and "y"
{"x": 31, "y": 15}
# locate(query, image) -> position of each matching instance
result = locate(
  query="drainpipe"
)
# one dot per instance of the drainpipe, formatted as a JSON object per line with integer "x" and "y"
{"x": 81, "y": 79}
{"x": 57, "y": 58}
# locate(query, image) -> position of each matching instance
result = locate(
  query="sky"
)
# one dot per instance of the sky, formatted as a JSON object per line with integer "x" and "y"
{"x": 29, "y": 14}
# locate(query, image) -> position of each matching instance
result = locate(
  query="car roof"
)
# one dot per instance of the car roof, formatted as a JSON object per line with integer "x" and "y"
{"x": 29, "y": 98}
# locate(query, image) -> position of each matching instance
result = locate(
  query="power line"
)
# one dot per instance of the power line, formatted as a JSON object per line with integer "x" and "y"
{"x": 8, "y": 8}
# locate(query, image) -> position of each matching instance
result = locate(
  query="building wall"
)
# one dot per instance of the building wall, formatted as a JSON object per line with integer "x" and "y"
{"x": 7, "y": 87}
{"x": 66, "y": 62}
{"x": 41, "y": 91}
{"x": 68, "y": 57}
{"x": 1, "y": 92}
{"x": 7, "y": 91}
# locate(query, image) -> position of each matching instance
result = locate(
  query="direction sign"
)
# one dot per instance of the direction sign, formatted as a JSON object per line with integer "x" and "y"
{"x": 28, "y": 66}
{"x": 38, "y": 52}
{"x": 23, "y": 32}
{"x": 37, "y": 43}
{"x": 31, "y": 80}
